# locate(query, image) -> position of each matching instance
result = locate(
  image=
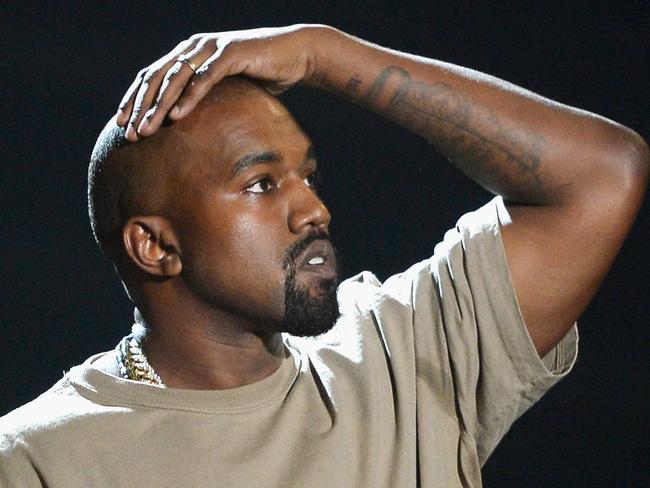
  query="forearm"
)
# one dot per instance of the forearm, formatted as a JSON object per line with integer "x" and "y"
{"x": 515, "y": 143}
{"x": 569, "y": 177}
{"x": 529, "y": 149}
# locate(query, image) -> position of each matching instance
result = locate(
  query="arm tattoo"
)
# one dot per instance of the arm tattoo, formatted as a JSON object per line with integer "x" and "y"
{"x": 353, "y": 84}
{"x": 499, "y": 157}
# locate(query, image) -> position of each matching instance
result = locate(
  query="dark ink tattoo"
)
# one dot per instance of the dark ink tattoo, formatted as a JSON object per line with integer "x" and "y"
{"x": 470, "y": 134}
{"x": 353, "y": 84}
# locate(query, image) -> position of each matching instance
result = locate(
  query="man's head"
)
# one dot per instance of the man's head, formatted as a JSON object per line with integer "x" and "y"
{"x": 219, "y": 208}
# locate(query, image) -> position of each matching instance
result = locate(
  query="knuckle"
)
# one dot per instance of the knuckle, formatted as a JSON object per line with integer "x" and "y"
{"x": 170, "y": 76}
{"x": 173, "y": 72}
{"x": 224, "y": 46}
{"x": 149, "y": 76}
{"x": 183, "y": 44}
{"x": 203, "y": 73}
{"x": 159, "y": 108}
{"x": 202, "y": 43}
{"x": 176, "y": 68}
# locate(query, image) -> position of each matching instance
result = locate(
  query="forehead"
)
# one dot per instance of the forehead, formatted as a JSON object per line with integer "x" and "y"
{"x": 225, "y": 130}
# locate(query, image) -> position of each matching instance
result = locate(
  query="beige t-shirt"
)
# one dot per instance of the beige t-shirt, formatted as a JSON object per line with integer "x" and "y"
{"x": 414, "y": 386}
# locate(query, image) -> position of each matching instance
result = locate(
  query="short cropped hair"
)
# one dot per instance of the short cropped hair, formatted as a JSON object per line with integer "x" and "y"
{"x": 123, "y": 179}
{"x": 104, "y": 194}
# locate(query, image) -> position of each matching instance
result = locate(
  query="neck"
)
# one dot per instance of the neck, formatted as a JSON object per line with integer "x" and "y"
{"x": 207, "y": 349}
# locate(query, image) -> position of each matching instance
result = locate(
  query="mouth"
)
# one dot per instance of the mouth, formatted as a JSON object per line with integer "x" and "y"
{"x": 319, "y": 259}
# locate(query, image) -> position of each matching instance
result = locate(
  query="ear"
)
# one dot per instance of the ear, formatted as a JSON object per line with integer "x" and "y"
{"x": 151, "y": 243}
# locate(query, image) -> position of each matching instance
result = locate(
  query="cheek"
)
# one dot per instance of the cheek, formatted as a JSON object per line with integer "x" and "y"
{"x": 237, "y": 262}
{"x": 259, "y": 248}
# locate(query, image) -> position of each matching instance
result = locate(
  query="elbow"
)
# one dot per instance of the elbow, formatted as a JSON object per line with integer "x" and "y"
{"x": 641, "y": 158}
{"x": 634, "y": 163}
{"x": 621, "y": 188}
{"x": 616, "y": 179}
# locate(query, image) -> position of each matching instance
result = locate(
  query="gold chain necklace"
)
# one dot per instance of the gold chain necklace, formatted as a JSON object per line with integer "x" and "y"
{"x": 133, "y": 363}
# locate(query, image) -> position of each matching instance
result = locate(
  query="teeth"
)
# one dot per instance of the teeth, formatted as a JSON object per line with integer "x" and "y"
{"x": 316, "y": 260}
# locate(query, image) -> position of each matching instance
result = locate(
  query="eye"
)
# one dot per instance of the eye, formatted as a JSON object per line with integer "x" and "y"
{"x": 312, "y": 179}
{"x": 261, "y": 186}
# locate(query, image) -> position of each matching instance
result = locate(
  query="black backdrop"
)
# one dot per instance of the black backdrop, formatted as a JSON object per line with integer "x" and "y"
{"x": 66, "y": 65}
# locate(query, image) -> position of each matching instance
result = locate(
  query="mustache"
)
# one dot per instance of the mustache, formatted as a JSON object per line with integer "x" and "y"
{"x": 292, "y": 253}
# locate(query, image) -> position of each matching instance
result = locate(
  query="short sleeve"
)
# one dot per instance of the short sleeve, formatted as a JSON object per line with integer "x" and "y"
{"x": 465, "y": 314}
{"x": 16, "y": 468}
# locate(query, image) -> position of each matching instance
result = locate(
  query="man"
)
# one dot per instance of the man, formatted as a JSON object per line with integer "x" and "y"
{"x": 217, "y": 232}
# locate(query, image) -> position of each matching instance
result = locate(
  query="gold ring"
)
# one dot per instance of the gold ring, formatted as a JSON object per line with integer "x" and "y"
{"x": 189, "y": 63}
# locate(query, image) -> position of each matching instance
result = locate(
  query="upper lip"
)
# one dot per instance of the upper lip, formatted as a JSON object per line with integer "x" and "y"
{"x": 321, "y": 247}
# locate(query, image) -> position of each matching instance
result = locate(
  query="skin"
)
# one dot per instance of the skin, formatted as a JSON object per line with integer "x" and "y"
{"x": 568, "y": 177}
{"x": 207, "y": 272}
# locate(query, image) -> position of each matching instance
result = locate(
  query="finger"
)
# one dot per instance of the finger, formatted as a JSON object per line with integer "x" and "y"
{"x": 143, "y": 98}
{"x": 140, "y": 94}
{"x": 145, "y": 95}
{"x": 213, "y": 70}
{"x": 126, "y": 105}
{"x": 124, "y": 109}
{"x": 173, "y": 84}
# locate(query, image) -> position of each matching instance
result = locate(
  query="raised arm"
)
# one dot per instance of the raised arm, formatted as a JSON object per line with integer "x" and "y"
{"x": 573, "y": 181}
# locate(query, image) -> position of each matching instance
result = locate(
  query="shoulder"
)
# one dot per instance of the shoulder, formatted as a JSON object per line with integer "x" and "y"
{"x": 38, "y": 415}
{"x": 60, "y": 409}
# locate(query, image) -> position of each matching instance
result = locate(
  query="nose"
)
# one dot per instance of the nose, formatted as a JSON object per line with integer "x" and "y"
{"x": 306, "y": 209}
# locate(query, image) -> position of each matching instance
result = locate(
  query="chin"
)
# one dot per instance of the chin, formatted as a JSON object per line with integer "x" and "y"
{"x": 310, "y": 312}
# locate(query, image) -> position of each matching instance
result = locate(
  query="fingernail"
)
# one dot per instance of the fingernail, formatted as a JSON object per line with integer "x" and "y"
{"x": 130, "y": 133}
{"x": 121, "y": 118}
{"x": 175, "y": 112}
{"x": 143, "y": 125}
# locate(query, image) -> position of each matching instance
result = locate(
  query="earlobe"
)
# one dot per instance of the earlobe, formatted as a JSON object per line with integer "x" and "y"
{"x": 151, "y": 244}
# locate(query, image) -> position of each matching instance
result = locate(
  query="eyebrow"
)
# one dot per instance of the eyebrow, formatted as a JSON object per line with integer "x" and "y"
{"x": 253, "y": 159}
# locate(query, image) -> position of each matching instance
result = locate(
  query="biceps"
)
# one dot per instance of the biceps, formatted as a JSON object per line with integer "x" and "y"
{"x": 557, "y": 259}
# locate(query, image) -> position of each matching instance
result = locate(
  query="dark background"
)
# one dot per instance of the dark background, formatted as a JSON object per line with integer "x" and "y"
{"x": 67, "y": 64}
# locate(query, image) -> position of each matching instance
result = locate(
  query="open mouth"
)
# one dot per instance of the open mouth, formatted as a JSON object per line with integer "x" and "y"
{"x": 318, "y": 258}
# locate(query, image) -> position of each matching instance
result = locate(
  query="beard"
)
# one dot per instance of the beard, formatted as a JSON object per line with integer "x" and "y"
{"x": 304, "y": 314}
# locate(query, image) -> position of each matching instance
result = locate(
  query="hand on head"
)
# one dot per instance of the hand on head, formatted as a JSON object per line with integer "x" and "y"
{"x": 173, "y": 85}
